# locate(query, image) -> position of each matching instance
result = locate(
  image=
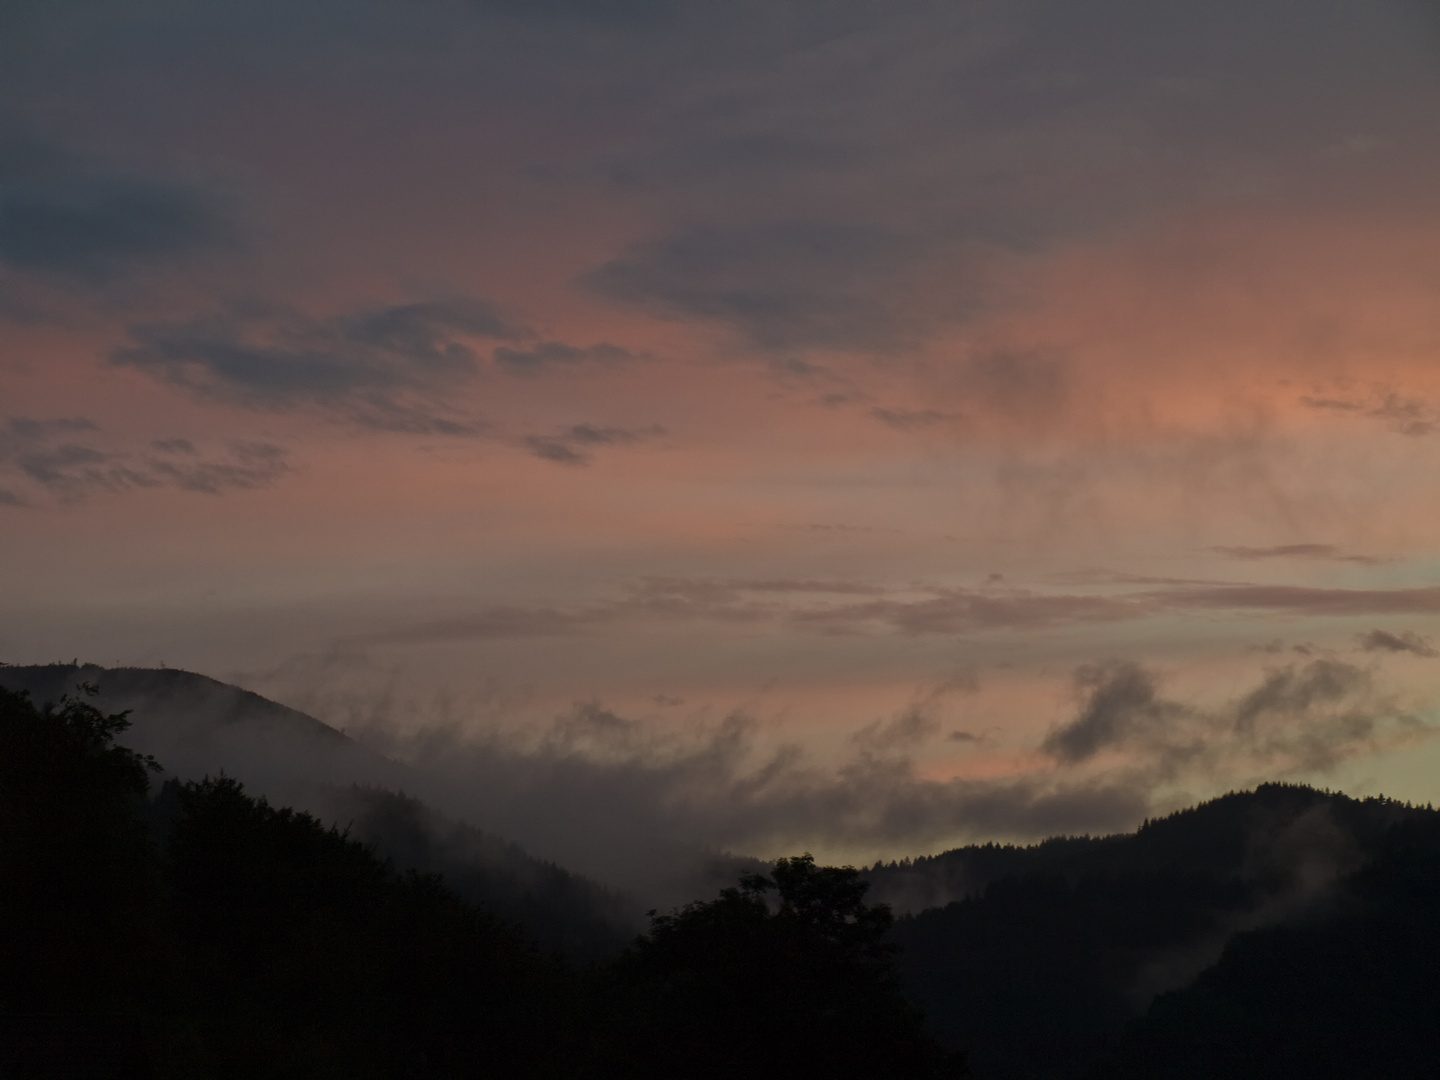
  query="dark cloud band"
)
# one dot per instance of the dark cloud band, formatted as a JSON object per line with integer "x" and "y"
{"x": 76, "y": 220}
{"x": 385, "y": 367}
{"x": 70, "y": 459}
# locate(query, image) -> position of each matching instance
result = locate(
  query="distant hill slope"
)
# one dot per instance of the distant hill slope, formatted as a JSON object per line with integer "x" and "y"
{"x": 560, "y": 909}
{"x": 1250, "y": 833}
{"x": 1252, "y": 921}
{"x": 1355, "y": 993}
{"x": 196, "y": 726}
{"x": 1055, "y": 947}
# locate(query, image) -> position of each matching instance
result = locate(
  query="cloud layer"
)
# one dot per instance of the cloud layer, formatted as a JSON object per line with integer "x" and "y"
{"x": 831, "y": 607}
{"x": 616, "y": 795}
{"x": 655, "y": 350}
{"x": 69, "y": 459}
{"x": 75, "y": 220}
{"x": 382, "y": 367}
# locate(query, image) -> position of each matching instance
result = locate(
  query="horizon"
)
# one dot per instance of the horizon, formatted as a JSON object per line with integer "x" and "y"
{"x": 839, "y": 427}
{"x": 284, "y": 771}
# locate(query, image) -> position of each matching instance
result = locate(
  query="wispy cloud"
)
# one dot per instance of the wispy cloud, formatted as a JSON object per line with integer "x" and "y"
{"x": 575, "y": 445}
{"x": 632, "y": 799}
{"x": 1300, "y": 599}
{"x": 493, "y": 623}
{"x": 396, "y": 368}
{"x": 548, "y": 356}
{"x": 387, "y": 367}
{"x": 912, "y": 419}
{"x": 859, "y": 607}
{"x": 70, "y": 458}
{"x": 1402, "y": 413}
{"x": 1120, "y": 703}
{"x": 1298, "y": 719}
{"x": 1296, "y": 551}
{"x": 609, "y": 793}
{"x": 1407, "y": 641}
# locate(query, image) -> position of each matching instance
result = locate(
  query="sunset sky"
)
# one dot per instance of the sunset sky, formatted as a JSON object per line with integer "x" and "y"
{"x": 875, "y": 425}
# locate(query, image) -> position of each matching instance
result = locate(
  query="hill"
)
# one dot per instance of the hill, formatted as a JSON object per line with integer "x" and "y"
{"x": 558, "y": 908}
{"x": 1351, "y": 991}
{"x": 1055, "y": 948}
{"x": 197, "y": 727}
{"x": 1265, "y": 832}
{"x": 199, "y": 933}
{"x": 1275, "y": 932}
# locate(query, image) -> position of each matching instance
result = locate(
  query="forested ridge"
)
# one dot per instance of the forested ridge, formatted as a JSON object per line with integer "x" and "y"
{"x": 1204, "y": 931}
{"x": 197, "y": 726}
{"x": 189, "y": 929}
{"x": 204, "y": 933}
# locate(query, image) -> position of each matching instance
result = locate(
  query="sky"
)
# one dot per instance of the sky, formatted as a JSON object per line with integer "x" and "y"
{"x": 853, "y": 426}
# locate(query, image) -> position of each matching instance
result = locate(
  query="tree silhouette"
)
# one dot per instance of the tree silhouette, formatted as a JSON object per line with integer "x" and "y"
{"x": 787, "y": 974}
{"x": 312, "y": 958}
{"x": 77, "y": 881}
{"x": 82, "y": 949}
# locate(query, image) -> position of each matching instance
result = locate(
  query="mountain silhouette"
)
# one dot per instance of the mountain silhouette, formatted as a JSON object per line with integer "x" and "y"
{"x": 196, "y": 727}
{"x": 1284, "y": 931}
{"x": 1052, "y": 952}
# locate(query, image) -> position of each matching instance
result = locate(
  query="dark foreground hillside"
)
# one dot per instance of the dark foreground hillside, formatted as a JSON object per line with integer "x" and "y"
{"x": 423, "y": 819}
{"x": 197, "y": 931}
{"x": 196, "y": 726}
{"x": 1348, "y": 988}
{"x": 203, "y": 933}
{"x": 212, "y": 935}
{"x": 1309, "y": 918}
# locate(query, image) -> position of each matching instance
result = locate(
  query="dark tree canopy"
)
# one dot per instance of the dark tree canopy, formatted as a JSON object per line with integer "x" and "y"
{"x": 200, "y": 933}
{"x": 207, "y": 935}
{"x": 305, "y": 948}
{"x": 787, "y": 975}
{"x": 77, "y": 882}
{"x": 1351, "y": 993}
{"x": 253, "y": 942}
